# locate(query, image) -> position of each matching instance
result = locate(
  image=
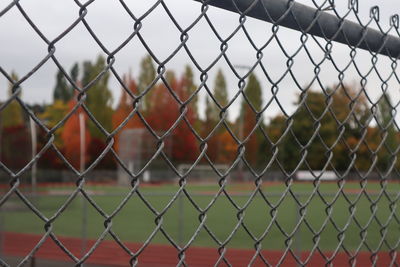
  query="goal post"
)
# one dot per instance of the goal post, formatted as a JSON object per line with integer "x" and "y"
{"x": 135, "y": 148}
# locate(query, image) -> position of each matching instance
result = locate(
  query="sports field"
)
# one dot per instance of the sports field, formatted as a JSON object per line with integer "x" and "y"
{"x": 135, "y": 222}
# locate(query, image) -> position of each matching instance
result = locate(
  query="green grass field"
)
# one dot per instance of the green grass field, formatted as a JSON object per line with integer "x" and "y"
{"x": 135, "y": 222}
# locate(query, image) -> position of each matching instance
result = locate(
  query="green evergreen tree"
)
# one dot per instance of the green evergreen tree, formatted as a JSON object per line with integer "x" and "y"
{"x": 247, "y": 120}
{"x": 189, "y": 88}
{"x": 303, "y": 129}
{"x": 209, "y": 123}
{"x": 74, "y": 72}
{"x": 99, "y": 99}
{"x": 216, "y": 151}
{"x": 146, "y": 77}
{"x": 247, "y": 117}
{"x": 189, "y": 85}
{"x": 62, "y": 91}
{"x": 220, "y": 93}
{"x": 221, "y": 96}
{"x": 253, "y": 94}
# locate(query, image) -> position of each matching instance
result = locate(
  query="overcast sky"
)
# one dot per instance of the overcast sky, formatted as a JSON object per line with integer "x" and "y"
{"x": 21, "y": 48}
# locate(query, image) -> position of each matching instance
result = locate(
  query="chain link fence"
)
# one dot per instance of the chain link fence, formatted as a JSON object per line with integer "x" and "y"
{"x": 280, "y": 151}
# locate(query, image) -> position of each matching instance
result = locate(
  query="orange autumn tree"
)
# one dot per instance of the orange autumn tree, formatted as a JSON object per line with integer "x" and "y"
{"x": 124, "y": 108}
{"x": 165, "y": 111}
{"x": 71, "y": 136}
{"x": 227, "y": 148}
{"x": 185, "y": 147}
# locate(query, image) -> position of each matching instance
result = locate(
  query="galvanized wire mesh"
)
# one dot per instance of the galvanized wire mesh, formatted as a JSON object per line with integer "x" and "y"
{"x": 325, "y": 44}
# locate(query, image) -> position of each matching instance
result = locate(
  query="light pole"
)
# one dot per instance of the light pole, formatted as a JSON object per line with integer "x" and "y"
{"x": 82, "y": 130}
{"x": 32, "y": 127}
{"x": 82, "y": 141}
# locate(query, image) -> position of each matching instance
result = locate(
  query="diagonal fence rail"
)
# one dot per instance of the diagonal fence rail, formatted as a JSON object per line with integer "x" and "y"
{"x": 350, "y": 134}
{"x": 318, "y": 22}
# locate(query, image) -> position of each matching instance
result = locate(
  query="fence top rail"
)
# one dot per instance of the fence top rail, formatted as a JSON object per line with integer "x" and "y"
{"x": 318, "y": 22}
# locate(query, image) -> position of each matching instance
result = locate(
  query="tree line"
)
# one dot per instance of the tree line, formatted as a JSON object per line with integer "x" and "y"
{"x": 337, "y": 127}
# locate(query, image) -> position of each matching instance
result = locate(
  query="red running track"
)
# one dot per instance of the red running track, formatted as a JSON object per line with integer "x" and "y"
{"x": 109, "y": 253}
